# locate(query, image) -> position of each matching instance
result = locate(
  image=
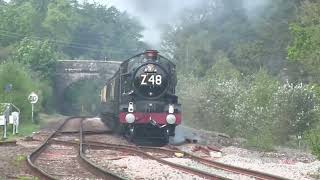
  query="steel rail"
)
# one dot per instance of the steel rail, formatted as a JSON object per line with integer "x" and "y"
{"x": 233, "y": 169}
{"x": 135, "y": 150}
{"x": 106, "y": 174}
{"x": 36, "y": 153}
{"x": 218, "y": 165}
{"x": 95, "y": 145}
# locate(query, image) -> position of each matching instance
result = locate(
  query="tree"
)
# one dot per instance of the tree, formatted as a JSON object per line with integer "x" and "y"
{"x": 38, "y": 55}
{"x": 102, "y": 31}
{"x": 60, "y": 19}
{"x": 305, "y": 48}
{"x": 16, "y": 21}
{"x": 23, "y": 83}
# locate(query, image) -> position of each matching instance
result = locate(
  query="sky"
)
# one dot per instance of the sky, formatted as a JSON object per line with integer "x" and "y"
{"x": 152, "y": 14}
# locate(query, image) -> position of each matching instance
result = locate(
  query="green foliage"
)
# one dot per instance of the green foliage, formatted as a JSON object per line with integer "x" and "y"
{"x": 76, "y": 30}
{"x": 35, "y": 33}
{"x": 3, "y": 107}
{"x": 252, "y": 116}
{"x": 16, "y": 21}
{"x": 60, "y": 19}
{"x": 82, "y": 97}
{"x": 38, "y": 55}
{"x": 252, "y": 39}
{"x": 223, "y": 69}
{"x": 27, "y": 178}
{"x": 23, "y": 84}
{"x": 234, "y": 72}
{"x": 305, "y": 47}
{"x": 313, "y": 138}
{"x": 190, "y": 94}
{"x": 19, "y": 160}
{"x": 257, "y": 107}
{"x": 296, "y": 109}
{"x": 261, "y": 140}
{"x": 106, "y": 32}
{"x": 249, "y": 56}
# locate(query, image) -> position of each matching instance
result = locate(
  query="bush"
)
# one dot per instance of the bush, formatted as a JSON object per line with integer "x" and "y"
{"x": 253, "y": 119}
{"x": 263, "y": 139}
{"x": 313, "y": 137}
{"x": 295, "y": 110}
{"x": 221, "y": 98}
{"x": 258, "y": 107}
{"x": 191, "y": 92}
{"x": 23, "y": 83}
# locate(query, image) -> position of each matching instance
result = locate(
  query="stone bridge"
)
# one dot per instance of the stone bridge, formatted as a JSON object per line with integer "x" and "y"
{"x": 71, "y": 71}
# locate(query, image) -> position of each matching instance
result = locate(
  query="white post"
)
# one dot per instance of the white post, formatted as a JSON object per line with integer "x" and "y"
{"x": 5, "y": 128}
{"x": 33, "y": 98}
{"x": 13, "y": 129}
{"x": 32, "y": 106}
{"x": 11, "y": 121}
{"x": 16, "y": 122}
{"x": 17, "y": 128}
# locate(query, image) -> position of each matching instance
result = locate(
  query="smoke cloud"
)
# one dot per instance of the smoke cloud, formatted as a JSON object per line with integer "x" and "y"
{"x": 154, "y": 14}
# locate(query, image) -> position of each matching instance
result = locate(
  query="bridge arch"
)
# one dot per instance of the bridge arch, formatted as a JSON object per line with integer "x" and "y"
{"x": 70, "y": 71}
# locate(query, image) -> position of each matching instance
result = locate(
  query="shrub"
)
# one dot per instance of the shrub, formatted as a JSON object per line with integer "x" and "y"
{"x": 313, "y": 137}
{"x": 23, "y": 83}
{"x": 295, "y": 110}
{"x": 257, "y": 107}
{"x": 252, "y": 115}
{"x": 191, "y": 92}
{"x": 221, "y": 98}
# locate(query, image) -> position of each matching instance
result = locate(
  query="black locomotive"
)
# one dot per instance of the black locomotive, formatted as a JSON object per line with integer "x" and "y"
{"x": 139, "y": 101}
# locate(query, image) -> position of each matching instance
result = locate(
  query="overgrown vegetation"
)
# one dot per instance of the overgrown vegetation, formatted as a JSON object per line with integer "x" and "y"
{"x": 34, "y": 34}
{"x": 23, "y": 83}
{"x": 251, "y": 72}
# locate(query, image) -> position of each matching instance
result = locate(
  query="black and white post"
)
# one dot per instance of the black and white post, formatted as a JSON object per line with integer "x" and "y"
{"x": 33, "y": 98}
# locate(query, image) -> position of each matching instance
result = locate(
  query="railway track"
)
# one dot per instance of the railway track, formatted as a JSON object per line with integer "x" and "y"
{"x": 160, "y": 155}
{"x": 131, "y": 149}
{"x": 45, "y": 163}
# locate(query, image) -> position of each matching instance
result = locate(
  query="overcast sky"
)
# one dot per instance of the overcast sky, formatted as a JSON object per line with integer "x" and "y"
{"x": 152, "y": 14}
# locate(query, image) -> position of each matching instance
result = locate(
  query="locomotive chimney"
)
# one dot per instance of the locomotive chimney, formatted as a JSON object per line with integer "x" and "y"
{"x": 151, "y": 54}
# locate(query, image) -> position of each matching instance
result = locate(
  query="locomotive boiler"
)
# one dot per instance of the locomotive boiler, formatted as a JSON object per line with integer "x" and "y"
{"x": 139, "y": 101}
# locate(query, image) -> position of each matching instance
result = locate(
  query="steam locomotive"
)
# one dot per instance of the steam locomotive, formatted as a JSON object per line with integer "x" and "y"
{"x": 139, "y": 101}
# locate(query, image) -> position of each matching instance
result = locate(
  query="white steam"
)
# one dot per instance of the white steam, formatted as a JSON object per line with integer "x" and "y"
{"x": 154, "y": 14}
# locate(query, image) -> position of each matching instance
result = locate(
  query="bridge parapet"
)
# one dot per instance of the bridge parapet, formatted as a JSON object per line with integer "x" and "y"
{"x": 78, "y": 66}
